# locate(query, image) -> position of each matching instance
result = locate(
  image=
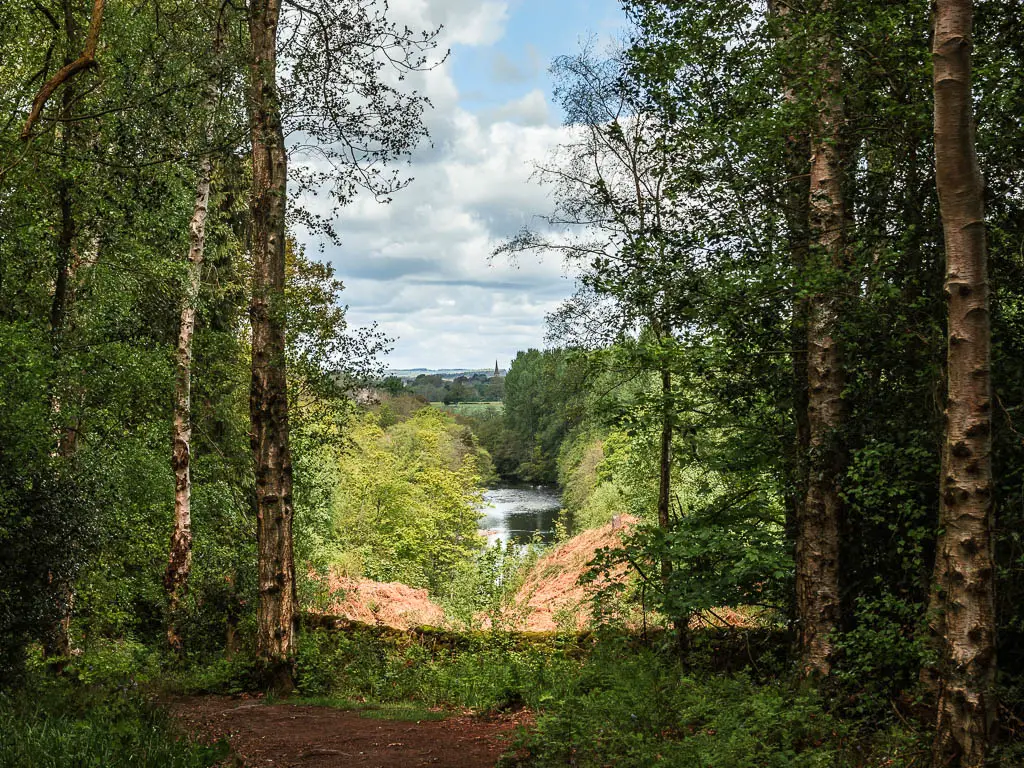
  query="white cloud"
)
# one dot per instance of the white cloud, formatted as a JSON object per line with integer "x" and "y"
{"x": 466, "y": 22}
{"x": 421, "y": 266}
{"x": 531, "y": 109}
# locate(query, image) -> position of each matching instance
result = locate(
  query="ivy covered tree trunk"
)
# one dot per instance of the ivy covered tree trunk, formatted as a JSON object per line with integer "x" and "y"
{"x": 179, "y": 561}
{"x": 817, "y": 548}
{"x": 964, "y": 560}
{"x": 268, "y": 398}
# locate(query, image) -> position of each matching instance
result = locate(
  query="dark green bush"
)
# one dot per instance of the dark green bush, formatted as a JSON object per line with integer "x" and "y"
{"x": 642, "y": 709}
{"x": 488, "y": 672}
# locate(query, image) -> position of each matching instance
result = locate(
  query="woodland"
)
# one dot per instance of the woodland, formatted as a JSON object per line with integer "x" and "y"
{"x": 793, "y": 365}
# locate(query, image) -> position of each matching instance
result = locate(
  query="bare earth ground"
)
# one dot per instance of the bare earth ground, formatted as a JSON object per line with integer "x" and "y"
{"x": 321, "y": 737}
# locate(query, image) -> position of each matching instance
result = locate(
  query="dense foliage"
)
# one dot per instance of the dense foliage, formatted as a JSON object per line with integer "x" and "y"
{"x": 687, "y": 162}
{"x": 685, "y": 386}
{"x": 407, "y": 502}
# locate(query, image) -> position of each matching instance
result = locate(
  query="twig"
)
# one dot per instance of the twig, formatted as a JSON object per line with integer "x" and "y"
{"x": 724, "y": 622}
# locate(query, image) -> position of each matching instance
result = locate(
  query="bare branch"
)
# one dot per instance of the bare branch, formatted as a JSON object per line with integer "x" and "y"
{"x": 86, "y": 61}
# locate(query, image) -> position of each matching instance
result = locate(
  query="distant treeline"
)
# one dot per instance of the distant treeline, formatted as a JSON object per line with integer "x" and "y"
{"x": 544, "y": 400}
{"x": 475, "y": 388}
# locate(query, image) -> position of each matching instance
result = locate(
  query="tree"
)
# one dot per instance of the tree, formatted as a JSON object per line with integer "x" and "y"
{"x": 94, "y": 222}
{"x": 964, "y": 567}
{"x": 333, "y": 93}
{"x": 543, "y": 404}
{"x": 57, "y": 640}
{"x": 407, "y": 506}
{"x": 459, "y": 392}
{"x": 179, "y": 559}
{"x": 72, "y": 65}
{"x": 796, "y": 208}
{"x": 277, "y": 624}
{"x": 107, "y": 197}
{"x": 615, "y": 198}
{"x": 817, "y": 545}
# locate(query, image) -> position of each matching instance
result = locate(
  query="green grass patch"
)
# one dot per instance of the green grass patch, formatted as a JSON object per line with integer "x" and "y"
{"x": 404, "y": 712}
{"x": 471, "y": 409}
{"x": 59, "y": 726}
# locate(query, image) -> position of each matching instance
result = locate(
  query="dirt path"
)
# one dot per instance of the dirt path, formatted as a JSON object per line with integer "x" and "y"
{"x": 320, "y": 737}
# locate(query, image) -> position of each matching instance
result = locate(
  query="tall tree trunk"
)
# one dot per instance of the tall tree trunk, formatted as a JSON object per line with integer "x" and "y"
{"x": 817, "y": 549}
{"x": 797, "y": 219}
{"x": 268, "y": 400}
{"x": 964, "y": 561}
{"x": 179, "y": 561}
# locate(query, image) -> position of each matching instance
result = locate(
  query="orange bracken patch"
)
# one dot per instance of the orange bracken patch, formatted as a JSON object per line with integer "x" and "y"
{"x": 393, "y": 605}
{"x": 551, "y": 597}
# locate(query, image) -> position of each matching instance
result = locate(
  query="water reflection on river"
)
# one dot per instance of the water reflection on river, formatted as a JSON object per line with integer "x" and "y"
{"x": 520, "y": 513}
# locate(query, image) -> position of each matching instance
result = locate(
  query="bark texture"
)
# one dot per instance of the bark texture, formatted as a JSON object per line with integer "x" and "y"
{"x": 268, "y": 399}
{"x": 179, "y": 561}
{"x": 817, "y": 546}
{"x": 964, "y": 559}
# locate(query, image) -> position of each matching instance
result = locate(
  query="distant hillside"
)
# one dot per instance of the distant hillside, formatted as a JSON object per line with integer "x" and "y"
{"x": 447, "y": 385}
{"x": 448, "y": 374}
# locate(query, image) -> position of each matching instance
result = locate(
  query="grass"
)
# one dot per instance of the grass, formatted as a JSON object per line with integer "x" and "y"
{"x": 60, "y": 726}
{"x": 471, "y": 409}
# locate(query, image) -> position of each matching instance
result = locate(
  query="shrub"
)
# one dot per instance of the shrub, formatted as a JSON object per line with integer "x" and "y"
{"x": 486, "y": 671}
{"x": 642, "y": 709}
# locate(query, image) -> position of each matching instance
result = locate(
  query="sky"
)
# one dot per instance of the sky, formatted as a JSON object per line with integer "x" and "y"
{"x": 420, "y": 267}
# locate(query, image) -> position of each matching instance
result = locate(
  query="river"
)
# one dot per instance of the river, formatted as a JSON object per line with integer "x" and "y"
{"x": 519, "y": 513}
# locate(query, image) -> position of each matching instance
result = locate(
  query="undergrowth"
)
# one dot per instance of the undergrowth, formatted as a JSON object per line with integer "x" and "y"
{"x": 56, "y": 724}
{"x": 489, "y": 673}
{"x": 596, "y": 701}
{"x": 612, "y": 702}
{"x": 628, "y": 708}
